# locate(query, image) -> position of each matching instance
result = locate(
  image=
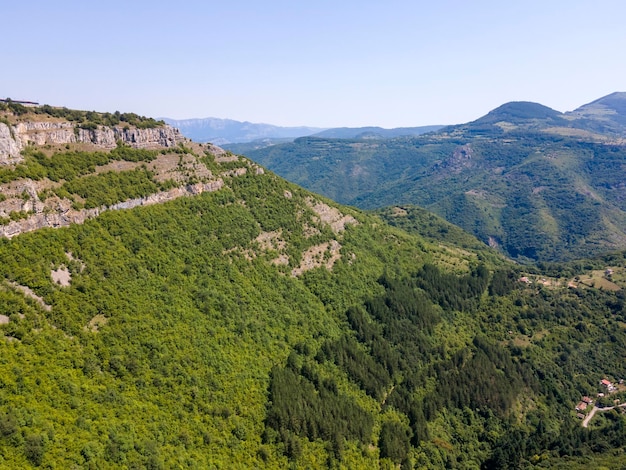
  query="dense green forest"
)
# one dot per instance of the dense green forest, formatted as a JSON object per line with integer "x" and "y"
{"x": 171, "y": 347}
{"x": 258, "y": 325}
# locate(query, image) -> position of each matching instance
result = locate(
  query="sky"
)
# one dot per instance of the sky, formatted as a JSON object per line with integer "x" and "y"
{"x": 326, "y": 63}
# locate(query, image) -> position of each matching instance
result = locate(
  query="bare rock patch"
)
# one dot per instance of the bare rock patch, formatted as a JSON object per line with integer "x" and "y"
{"x": 61, "y": 276}
{"x": 331, "y": 216}
{"x": 324, "y": 254}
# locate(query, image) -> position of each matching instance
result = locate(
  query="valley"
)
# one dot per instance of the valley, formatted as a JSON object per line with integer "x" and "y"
{"x": 536, "y": 184}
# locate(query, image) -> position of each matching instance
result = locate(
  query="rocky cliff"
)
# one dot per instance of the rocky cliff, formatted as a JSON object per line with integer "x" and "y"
{"x": 14, "y": 138}
{"x": 61, "y": 213}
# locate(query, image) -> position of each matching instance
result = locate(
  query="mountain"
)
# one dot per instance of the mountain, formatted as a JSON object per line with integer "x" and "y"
{"x": 364, "y": 133}
{"x": 374, "y": 132}
{"x": 603, "y": 120}
{"x": 168, "y": 306}
{"x": 242, "y": 148}
{"x": 225, "y": 131}
{"x": 232, "y": 134}
{"x": 522, "y": 113}
{"x": 607, "y": 114}
{"x": 538, "y": 184}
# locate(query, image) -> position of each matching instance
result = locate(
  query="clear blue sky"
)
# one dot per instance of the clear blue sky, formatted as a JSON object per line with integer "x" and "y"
{"x": 319, "y": 63}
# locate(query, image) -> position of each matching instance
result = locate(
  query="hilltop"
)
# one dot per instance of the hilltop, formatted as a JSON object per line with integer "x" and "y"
{"x": 210, "y": 314}
{"x": 538, "y": 184}
{"x": 606, "y": 114}
{"x": 603, "y": 120}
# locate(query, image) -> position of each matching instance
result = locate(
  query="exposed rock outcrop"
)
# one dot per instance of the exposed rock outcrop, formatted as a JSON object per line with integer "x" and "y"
{"x": 15, "y": 138}
{"x": 9, "y": 147}
{"x": 331, "y": 216}
{"x": 66, "y": 216}
{"x": 325, "y": 254}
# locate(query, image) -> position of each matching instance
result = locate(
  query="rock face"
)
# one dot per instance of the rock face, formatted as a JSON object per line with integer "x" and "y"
{"x": 15, "y": 138}
{"x": 9, "y": 147}
{"x": 66, "y": 216}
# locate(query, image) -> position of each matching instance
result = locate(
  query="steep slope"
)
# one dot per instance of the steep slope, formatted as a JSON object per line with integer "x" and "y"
{"x": 255, "y": 324}
{"x": 538, "y": 184}
{"x": 607, "y": 114}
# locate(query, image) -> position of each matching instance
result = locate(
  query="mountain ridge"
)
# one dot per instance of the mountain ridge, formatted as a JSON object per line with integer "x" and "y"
{"x": 520, "y": 162}
{"x": 231, "y": 132}
{"x": 223, "y": 131}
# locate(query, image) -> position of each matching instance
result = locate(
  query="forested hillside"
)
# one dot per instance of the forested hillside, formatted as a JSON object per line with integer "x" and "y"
{"x": 537, "y": 184}
{"x": 254, "y": 324}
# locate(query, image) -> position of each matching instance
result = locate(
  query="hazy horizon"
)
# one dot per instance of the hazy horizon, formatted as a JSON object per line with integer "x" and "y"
{"x": 352, "y": 64}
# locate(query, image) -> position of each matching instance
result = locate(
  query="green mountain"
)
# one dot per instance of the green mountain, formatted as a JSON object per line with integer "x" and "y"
{"x": 245, "y": 136}
{"x": 520, "y": 113}
{"x": 367, "y": 133}
{"x": 374, "y": 132}
{"x": 607, "y": 114}
{"x": 170, "y": 305}
{"x": 536, "y": 183}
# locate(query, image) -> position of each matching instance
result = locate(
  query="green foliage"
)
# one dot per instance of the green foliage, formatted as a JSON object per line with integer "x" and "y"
{"x": 70, "y": 165}
{"x": 535, "y": 195}
{"x": 304, "y": 404}
{"x": 430, "y": 226}
{"x": 394, "y": 441}
{"x": 189, "y": 330}
{"x": 360, "y": 367}
{"x": 85, "y": 119}
{"x": 399, "y": 354}
{"x": 108, "y": 188}
{"x": 454, "y": 292}
{"x": 179, "y": 343}
{"x": 34, "y": 449}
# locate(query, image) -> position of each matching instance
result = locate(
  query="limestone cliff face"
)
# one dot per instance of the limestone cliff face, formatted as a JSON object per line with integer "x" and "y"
{"x": 64, "y": 215}
{"x": 15, "y": 138}
{"x": 9, "y": 147}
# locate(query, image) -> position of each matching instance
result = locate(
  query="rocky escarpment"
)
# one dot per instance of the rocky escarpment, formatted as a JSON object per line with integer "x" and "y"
{"x": 44, "y": 199}
{"x": 14, "y": 138}
{"x": 65, "y": 215}
{"x": 10, "y": 147}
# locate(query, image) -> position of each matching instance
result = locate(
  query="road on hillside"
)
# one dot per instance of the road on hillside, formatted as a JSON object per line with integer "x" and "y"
{"x": 595, "y": 409}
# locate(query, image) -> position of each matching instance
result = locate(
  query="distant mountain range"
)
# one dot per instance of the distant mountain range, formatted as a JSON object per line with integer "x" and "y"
{"x": 227, "y": 131}
{"x": 374, "y": 132}
{"x": 537, "y": 183}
